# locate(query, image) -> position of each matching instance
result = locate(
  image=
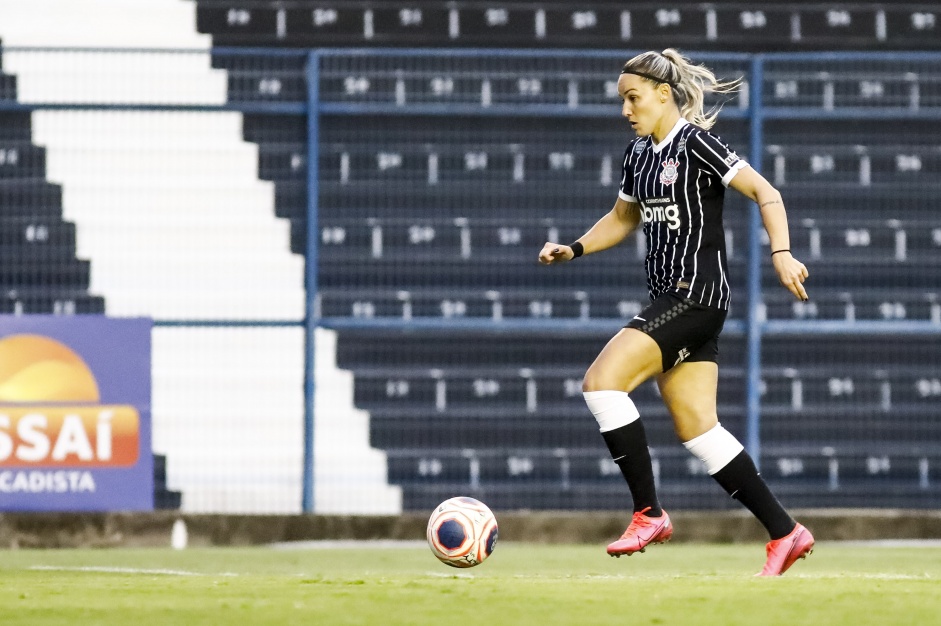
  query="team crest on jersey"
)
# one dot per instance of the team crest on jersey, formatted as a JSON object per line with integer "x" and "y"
{"x": 670, "y": 171}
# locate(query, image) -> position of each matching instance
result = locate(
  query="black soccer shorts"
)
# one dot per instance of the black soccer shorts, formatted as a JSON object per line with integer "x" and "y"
{"x": 686, "y": 331}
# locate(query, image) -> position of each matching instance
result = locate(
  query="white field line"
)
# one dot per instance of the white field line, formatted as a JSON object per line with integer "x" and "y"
{"x": 124, "y": 570}
{"x": 384, "y": 544}
{"x": 450, "y": 575}
{"x": 343, "y": 544}
{"x": 888, "y": 543}
{"x": 536, "y": 578}
{"x": 863, "y": 576}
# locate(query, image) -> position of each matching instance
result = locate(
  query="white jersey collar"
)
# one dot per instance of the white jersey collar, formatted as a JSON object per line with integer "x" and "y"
{"x": 680, "y": 123}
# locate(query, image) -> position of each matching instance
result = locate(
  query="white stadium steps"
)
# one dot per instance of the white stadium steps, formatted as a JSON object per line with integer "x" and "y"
{"x": 221, "y": 231}
{"x": 228, "y": 408}
{"x": 349, "y": 476}
{"x": 101, "y": 24}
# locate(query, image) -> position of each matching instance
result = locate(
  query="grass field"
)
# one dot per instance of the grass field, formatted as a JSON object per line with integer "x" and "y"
{"x": 683, "y": 584}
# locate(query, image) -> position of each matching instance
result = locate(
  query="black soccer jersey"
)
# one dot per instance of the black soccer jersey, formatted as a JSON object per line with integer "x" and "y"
{"x": 680, "y": 185}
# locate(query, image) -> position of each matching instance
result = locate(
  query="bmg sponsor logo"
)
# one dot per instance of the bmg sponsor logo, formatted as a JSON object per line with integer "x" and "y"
{"x": 669, "y": 214}
{"x": 52, "y": 425}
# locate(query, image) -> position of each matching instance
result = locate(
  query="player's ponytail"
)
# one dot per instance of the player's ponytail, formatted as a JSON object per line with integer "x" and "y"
{"x": 689, "y": 82}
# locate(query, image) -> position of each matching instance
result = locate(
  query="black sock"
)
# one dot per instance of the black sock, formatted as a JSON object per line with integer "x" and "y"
{"x": 628, "y": 447}
{"x": 741, "y": 480}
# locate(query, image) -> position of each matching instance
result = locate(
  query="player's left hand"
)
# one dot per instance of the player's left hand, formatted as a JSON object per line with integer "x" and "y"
{"x": 792, "y": 274}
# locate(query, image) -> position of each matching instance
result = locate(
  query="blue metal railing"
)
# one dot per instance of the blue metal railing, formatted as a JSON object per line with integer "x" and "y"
{"x": 311, "y": 265}
{"x": 753, "y": 321}
{"x": 314, "y": 107}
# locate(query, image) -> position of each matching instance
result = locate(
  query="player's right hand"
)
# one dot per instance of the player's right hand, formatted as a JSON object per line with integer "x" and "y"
{"x": 555, "y": 253}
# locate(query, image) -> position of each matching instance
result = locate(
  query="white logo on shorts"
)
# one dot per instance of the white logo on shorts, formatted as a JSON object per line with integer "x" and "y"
{"x": 683, "y": 354}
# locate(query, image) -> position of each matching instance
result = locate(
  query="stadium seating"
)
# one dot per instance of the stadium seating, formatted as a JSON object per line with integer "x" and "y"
{"x": 512, "y": 428}
{"x": 440, "y": 176}
{"x": 39, "y": 271}
{"x": 423, "y": 215}
{"x": 611, "y": 25}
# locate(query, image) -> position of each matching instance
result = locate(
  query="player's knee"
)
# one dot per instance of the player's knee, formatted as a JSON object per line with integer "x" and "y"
{"x": 600, "y": 379}
{"x": 597, "y": 379}
{"x": 693, "y": 424}
{"x": 591, "y": 382}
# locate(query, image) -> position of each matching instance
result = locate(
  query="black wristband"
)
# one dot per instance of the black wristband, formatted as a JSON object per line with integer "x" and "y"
{"x": 784, "y": 250}
{"x": 577, "y": 249}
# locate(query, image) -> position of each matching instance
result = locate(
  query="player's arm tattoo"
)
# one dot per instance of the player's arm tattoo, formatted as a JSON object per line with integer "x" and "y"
{"x": 764, "y": 204}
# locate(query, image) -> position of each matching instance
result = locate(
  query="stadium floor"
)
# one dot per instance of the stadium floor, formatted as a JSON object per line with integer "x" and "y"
{"x": 685, "y": 584}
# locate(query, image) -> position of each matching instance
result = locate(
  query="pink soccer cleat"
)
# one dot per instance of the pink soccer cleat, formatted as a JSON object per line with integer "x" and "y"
{"x": 642, "y": 532}
{"x": 784, "y": 552}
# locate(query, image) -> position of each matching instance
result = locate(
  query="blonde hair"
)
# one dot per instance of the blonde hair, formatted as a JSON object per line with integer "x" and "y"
{"x": 689, "y": 83}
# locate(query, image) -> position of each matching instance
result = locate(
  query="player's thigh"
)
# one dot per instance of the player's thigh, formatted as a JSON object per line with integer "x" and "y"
{"x": 689, "y": 392}
{"x": 629, "y": 358}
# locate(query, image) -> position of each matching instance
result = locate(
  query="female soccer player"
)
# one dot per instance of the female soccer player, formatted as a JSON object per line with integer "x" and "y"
{"x": 674, "y": 178}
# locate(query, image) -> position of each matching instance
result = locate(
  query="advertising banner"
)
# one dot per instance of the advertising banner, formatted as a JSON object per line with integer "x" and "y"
{"x": 75, "y": 414}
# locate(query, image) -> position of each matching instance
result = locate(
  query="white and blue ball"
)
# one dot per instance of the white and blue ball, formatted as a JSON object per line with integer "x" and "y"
{"x": 462, "y": 532}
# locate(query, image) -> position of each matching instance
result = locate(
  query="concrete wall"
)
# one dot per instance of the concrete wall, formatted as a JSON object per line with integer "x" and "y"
{"x": 136, "y": 530}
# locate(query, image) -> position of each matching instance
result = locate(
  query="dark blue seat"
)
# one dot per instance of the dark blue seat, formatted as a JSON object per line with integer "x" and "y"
{"x": 479, "y": 428}
{"x": 238, "y": 23}
{"x": 809, "y": 467}
{"x": 592, "y": 466}
{"x": 36, "y": 231}
{"x": 66, "y": 273}
{"x": 52, "y": 299}
{"x": 31, "y": 196}
{"x": 274, "y": 129}
{"x": 316, "y": 26}
{"x": 20, "y": 159}
{"x": 267, "y": 86}
{"x": 37, "y": 253}
{"x": 521, "y": 466}
{"x": 282, "y": 161}
{"x": 252, "y": 77}
{"x": 7, "y": 87}
{"x": 766, "y": 27}
{"x": 15, "y": 126}
{"x": 911, "y": 27}
{"x": 290, "y": 199}
{"x": 878, "y": 466}
{"x": 36, "y": 240}
{"x": 444, "y": 88}
{"x": 429, "y": 466}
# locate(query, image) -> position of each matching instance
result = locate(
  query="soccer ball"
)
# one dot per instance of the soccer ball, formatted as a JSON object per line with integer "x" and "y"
{"x": 462, "y": 532}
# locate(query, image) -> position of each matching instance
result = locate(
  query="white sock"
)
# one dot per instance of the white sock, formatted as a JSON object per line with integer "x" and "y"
{"x": 715, "y": 448}
{"x": 612, "y": 409}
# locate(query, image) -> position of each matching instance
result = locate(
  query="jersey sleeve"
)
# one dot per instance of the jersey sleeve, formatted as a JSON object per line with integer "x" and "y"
{"x": 626, "y": 191}
{"x": 715, "y": 156}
